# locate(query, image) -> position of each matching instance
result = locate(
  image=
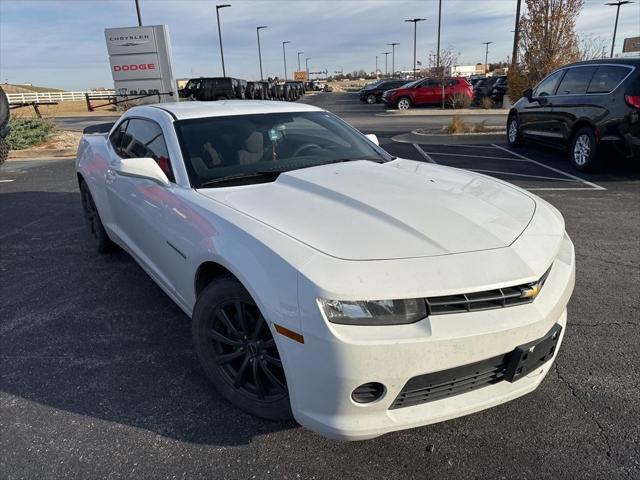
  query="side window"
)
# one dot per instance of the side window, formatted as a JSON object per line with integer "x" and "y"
{"x": 576, "y": 81}
{"x": 144, "y": 138}
{"x": 607, "y": 78}
{"x": 116, "y": 136}
{"x": 548, "y": 85}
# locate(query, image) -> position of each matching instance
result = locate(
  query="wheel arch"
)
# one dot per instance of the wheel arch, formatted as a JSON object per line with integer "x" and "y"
{"x": 581, "y": 123}
{"x": 208, "y": 272}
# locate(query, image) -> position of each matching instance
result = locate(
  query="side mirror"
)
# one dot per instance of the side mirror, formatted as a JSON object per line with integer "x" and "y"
{"x": 373, "y": 138}
{"x": 142, "y": 168}
{"x": 528, "y": 94}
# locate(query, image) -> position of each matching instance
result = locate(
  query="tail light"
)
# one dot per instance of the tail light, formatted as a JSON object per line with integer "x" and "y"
{"x": 633, "y": 100}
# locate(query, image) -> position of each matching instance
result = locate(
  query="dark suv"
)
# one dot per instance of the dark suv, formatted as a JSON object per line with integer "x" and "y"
{"x": 217, "y": 88}
{"x": 585, "y": 106}
{"x": 373, "y": 93}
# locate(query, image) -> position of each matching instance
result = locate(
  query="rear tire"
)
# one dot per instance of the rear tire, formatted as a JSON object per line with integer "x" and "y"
{"x": 237, "y": 351}
{"x": 514, "y": 136}
{"x": 583, "y": 153}
{"x": 4, "y": 108}
{"x": 4, "y": 150}
{"x": 99, "y": 238}
{"x": 371, "y": 99}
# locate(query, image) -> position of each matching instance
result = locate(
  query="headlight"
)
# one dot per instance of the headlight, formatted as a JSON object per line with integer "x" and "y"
{"x": 374, "y": 312}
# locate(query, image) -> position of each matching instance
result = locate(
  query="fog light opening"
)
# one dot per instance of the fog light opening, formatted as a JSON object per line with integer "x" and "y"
{"x": 368, "y": 392}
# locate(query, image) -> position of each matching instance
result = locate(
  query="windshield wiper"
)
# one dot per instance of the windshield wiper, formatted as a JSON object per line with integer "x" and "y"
{"x": 268, "y": 175}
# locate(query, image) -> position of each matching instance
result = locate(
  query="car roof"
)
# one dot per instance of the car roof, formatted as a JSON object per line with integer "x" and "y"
{"x": 608, "y": 61}
{"x": 222, "y": 108}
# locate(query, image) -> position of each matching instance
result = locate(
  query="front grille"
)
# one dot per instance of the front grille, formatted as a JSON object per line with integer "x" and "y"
{"x": 438, "y": 385}
{"x": 487, "y": 300}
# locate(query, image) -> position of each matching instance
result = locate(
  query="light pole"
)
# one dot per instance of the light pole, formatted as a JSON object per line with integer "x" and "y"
{"x": 376, "y": 67}
{"x": 386, "y": 57}
{"x": 486, "y": 56}
{"x": 438, "y": 50}
{"x": 218, "y": 7}
{"x": 415, "y": 28}
{"x": 259, "y": 52}
{"x": 284, "y": 57}
{"x": 299, "y": 53}
{"x": 617, "y": 4}
{"x": 516, "y": 37}
{"x": 138, "y": 13}
{"x": 306, "y": 64}
{"x": 393, "y": 58}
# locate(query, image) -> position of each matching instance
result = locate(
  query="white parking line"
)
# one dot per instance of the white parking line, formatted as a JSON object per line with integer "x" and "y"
{"x": 6, "y": 181}
{"x": 574, "y": 177}
{"x": 556, "y": 179}
{"x": 424, "y": 154}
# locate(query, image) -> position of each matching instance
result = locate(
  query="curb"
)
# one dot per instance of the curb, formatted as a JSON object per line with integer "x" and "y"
{"x": 441, "y": 113}
{"x": 487, "y": 138}
{"x": 41, "y": 153}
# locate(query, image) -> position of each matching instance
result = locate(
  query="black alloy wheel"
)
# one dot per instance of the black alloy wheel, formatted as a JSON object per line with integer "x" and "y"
{"x": 238, "y": 352}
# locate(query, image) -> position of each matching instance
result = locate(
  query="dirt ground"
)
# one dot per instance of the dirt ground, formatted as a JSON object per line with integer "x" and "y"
{"x": 64, "y": 109}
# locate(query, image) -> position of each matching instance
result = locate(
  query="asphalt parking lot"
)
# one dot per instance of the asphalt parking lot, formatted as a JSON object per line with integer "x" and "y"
{"x": 99, "y": 379}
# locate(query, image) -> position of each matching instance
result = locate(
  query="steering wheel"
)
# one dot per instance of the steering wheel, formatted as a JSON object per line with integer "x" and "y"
{"x": 304, "y": 147}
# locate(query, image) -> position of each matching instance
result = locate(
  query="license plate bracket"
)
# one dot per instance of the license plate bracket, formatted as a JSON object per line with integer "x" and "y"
{"x": 527, "y": 357}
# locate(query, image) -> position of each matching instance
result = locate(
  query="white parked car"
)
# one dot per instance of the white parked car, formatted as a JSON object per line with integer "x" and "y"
{"x": 326, "y": 279}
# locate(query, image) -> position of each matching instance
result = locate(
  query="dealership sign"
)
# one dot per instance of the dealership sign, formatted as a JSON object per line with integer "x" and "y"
{"x": 141, "y": 63}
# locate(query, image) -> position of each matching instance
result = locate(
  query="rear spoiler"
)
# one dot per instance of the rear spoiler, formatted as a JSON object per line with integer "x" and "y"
{"x": 98, "y": 128}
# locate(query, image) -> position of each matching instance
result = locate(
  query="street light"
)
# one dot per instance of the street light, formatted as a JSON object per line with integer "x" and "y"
{"x": 376, "y": 67}
{"x": 284, "y": 57}
{"x": 393, "y": 57}
{"x": 486, "y": 56}
{"x": 516, "y": 37}
{"x": 306, "y": 64}
{"x": 438, "y": 49}
{"x": 386, "y": 57}
{"x": 415, "y": 27}
{"x": 617, "y": 4}
{"x": 299, "y": 53}
{"x": 218, "y": 7}
{"x": 259, "y": 52}
{"x": 138, "y": 13}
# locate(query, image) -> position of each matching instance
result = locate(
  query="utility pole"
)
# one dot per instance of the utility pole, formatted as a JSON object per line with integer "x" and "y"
{"x": 284, "y": 57}
{"x": 218, "y": 7}
{"x": 516, "y": 37}
{"x": 306, "y": 64}
{"x": 415, "y": 23}
{"x": 393, "y": 58}
{"x": 138, "y": 13}
{"x": 486, "y": 57}
{"x": 617, "y": 4}
{"x": 259, "y": 52}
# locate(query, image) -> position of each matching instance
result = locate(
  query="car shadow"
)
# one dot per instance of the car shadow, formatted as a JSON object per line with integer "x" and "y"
{"x": 94, "y": 336}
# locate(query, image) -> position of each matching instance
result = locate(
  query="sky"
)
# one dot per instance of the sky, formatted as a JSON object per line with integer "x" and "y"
{"x": 61, "y": 44}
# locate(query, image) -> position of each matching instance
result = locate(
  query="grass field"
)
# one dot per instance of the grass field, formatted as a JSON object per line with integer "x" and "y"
{"x": 64, "y": 109}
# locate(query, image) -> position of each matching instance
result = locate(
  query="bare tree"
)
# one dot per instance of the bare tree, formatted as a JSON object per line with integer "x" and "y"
{"x": 547, "y": 41}
{"x": 448, "y": 59}
{"x": 592, "y": 47}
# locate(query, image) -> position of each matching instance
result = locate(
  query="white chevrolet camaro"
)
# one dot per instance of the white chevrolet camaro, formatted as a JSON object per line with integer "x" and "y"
{"x": 359, "y": 292}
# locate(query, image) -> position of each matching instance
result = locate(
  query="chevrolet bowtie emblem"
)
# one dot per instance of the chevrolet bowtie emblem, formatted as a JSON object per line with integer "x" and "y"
{"x": 532, "y": 291}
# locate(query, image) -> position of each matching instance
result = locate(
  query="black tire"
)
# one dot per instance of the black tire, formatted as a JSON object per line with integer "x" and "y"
{"x": 237, "y": 351}
{"x": 583, "y": 153}
{"x": 4, "y": 108}
{"x": 402, "y": 101}
{"x": 99, "y": 238}
{"x": 371, "y": 99}
{"x": 4, "y": 150}
{"x": 514, "y": 135}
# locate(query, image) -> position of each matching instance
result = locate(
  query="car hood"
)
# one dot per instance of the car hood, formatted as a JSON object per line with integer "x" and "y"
{"x": 362, "y": 210}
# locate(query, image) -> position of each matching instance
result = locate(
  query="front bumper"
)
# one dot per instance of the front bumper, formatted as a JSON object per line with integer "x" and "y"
{"x": 323, "y": 372}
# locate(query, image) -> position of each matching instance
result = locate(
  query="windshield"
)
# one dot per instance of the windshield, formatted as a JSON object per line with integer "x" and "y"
{"x": 243, "y": 146}
{"x": 413, "y": 83}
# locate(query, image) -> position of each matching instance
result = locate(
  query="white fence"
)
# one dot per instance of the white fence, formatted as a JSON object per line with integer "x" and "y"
{"x": 40, "y": 97}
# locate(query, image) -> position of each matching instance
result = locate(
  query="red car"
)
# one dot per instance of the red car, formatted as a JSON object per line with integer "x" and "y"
{"x": 426, "y": 91}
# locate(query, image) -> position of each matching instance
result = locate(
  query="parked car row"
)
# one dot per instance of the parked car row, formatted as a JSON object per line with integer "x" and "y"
{"x": 372, "y": 92}
{"x": 587, "y": 107}
{"x": 490, "y": 87}
{"x": 227, "y": 88}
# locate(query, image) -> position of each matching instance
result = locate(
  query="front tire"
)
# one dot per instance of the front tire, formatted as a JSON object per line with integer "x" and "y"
{"x": 583, "y": 153}
{"x": 371, "y": 99}
{"x": 404, "y": 103}
{"x": 99, "y": 238}
{"x": 237, "y": 351}
{"x": 514, "y": 136}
